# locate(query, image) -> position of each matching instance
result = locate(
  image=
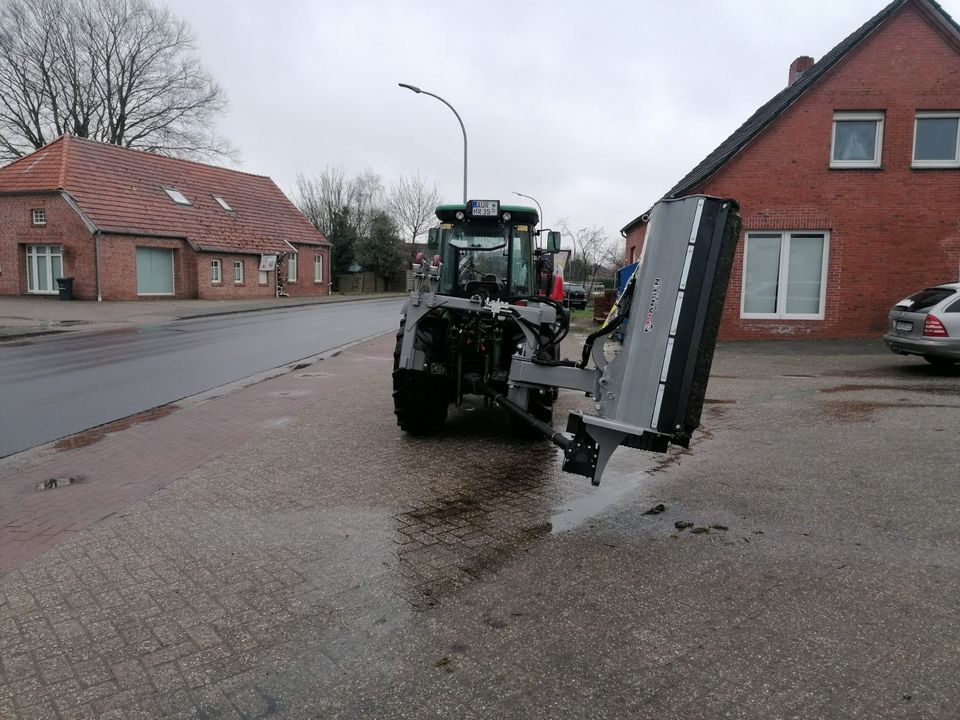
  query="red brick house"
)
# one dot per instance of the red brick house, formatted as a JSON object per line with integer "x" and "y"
{"x": 848, "y": 181}
{"x": 127, "y": 224}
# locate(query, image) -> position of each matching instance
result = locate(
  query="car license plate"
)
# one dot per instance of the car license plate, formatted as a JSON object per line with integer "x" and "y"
{"x": 901, "y": 326}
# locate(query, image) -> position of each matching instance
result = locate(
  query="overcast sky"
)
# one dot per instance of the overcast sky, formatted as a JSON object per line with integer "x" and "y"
{"x": 595, "y": 108}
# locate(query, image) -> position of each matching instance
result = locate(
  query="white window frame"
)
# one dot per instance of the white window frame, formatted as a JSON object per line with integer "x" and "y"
{"x": 783, "y": 272}
{"x": 178, "y": 197}
{"x": 216, "y": 271}
{"x": 39, "y": 216}
{"x": 49, "y": 252}
{"x": 292, "y": 267}
{"x": 238, "y": 272}
{"x": 223, "y": 203}
{"x": 878, "y": 143}
{"x": 955, "y": 115}
{"x": 318, "y": 268}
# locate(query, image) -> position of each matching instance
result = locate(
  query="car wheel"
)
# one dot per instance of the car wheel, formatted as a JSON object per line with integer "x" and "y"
{"x": 939, "y": 361}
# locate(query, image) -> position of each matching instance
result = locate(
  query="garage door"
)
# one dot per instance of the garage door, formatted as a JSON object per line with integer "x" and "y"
{"x": 154, "y": 271}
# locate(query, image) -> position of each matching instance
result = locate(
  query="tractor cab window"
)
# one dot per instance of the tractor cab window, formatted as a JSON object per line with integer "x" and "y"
{"x": 489, "y": 260}
{"x": 521, "y": 272}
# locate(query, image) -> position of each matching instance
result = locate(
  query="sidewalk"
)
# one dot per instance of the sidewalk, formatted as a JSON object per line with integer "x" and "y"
{"x": 22, "y": 316}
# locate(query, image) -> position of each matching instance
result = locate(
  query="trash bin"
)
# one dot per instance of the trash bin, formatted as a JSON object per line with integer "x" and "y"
{"x": 65, "y": 286}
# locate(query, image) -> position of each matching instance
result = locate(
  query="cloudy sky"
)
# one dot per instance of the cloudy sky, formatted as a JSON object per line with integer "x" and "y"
{"x": 594, "y": 108}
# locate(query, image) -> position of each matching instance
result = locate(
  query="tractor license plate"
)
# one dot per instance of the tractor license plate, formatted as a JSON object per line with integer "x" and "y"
{"x": 485, "y": 208}
{"x": 901, "y": 326}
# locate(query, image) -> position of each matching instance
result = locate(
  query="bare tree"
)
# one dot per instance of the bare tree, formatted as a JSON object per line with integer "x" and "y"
{"x": 341, "y": 208}
{"x": 413, "y": 203}
{"x": 612, "y": 255}
{"x": 331, "y": 195}
{"x": 119, "y": 71}
{"x": 589, "y": 248}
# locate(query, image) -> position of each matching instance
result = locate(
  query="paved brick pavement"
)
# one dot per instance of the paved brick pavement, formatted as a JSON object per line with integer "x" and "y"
{"x": 318, "y": 563}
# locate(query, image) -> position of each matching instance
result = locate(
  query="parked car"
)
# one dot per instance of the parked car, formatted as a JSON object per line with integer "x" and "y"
{"x": 927, "y": 324}
{"x": 574, "y": 296}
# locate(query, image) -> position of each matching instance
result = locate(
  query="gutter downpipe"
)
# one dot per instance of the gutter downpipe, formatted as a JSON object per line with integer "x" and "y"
{"x": 96, "y": 254}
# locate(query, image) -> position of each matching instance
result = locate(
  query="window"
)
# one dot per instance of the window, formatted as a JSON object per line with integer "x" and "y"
{"x": 857, "y": 140}
{"x": 178, "y": 197}
{"x": 263, "y": 277}
{"x": 924, "y": 299}
{"x": 44, "y": 266}
{"x": 238, "y": 272}
{"x": 785, "y": 275}
{"x": 292, "y": 268}
{"x": 39, "y": 216}
{"x": 935, "y": 140}
{"x": 318, "y": 268}
{"x": 223, "y": 203}
{"x": 216, "y": 276}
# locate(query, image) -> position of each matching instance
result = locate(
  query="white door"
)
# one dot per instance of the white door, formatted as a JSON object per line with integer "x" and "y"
{"x": 44, "y": 266}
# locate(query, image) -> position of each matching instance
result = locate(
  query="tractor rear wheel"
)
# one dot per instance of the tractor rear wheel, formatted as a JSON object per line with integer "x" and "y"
{"x": 419, "y": 398}
{"x": 419, "y": 402}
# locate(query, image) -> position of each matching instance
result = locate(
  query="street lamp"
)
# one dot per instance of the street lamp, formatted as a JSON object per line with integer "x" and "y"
{"x": 528, "y": 197}
{"x": 417, "y": 90}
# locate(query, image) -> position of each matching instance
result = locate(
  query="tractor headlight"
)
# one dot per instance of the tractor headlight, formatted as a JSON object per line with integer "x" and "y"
{"x": 460, "y": 215}
{"x": 507, "y": 216}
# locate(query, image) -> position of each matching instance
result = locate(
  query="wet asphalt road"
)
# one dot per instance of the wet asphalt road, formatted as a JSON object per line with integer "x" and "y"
{"x": 53, "y": 387}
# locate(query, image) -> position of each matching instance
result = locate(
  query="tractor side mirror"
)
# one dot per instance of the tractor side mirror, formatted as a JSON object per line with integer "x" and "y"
{"x": 553, "y": 241}
{"x": 433, "y": 237}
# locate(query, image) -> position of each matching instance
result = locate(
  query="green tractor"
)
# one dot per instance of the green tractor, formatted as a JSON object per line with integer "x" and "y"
{"x": 480, "y": 321}
{"x": 479, "y": 299}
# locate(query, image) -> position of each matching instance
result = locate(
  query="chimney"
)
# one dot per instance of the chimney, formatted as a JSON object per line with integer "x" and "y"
{"x": 798, "y": 67}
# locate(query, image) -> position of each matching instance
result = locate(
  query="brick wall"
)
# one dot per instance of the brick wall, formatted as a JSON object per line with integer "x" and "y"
{"x": 305, "y": 284}
{"x": 63, "y": 227}
{"x": 228, "y": 288}
{"x": 892, "y": 230}
{"x": 118, "y": 254}
{"x": 118, "y": 266}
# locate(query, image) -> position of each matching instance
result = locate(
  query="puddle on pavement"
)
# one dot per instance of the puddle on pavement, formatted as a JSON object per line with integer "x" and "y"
{"x": 488, "y": 496}
{"x": 588, "y": 506}
{"x": 94, "y": 435}
{"x": 860, "y": 411}
{"x": 895, "y": 371}
{"x": 934, "y": 389}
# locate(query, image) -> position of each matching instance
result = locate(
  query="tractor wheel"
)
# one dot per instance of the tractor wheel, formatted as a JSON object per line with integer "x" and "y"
{"x": 419, "y": 401}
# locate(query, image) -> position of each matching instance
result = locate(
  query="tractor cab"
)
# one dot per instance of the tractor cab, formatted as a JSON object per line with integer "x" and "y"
{"x": 487, "y": 249}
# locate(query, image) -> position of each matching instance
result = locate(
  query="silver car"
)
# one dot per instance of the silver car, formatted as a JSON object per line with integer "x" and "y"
{"x": 927, "y": 324}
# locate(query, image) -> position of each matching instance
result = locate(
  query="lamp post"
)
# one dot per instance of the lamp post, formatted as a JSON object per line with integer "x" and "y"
{"x": 417, "y": 90}
{"x": 528, "y": 197}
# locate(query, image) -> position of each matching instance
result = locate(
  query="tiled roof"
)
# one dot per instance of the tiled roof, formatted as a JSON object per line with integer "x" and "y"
{"x": 121, "y": 191}
{"x": 775, "y": 107}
